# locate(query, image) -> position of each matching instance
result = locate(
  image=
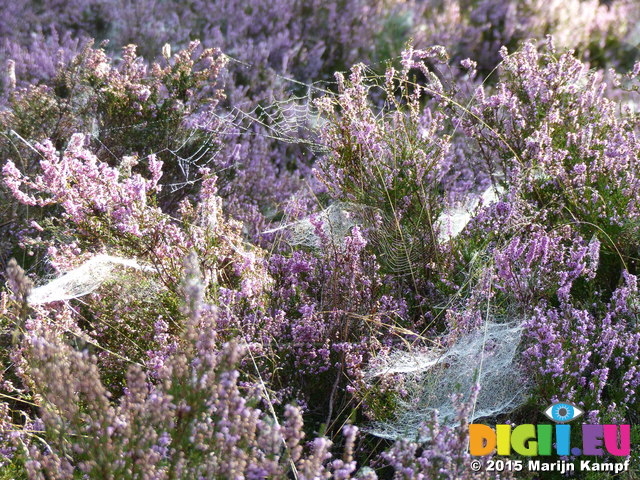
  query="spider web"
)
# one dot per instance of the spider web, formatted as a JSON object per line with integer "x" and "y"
{"x": 429, "y": 378}
{"x": 84, "y": 279}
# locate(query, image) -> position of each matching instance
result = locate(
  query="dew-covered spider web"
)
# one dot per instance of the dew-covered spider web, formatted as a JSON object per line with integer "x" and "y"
{"x": 396, "y": 247}
{"x": 427, "y": 379}
{"x": 333, "y": 223}
{"x": 84, "y": 279}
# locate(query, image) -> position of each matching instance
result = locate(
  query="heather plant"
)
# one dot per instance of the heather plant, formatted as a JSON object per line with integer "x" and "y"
{"x": 192, "y": 421}
{"x": 391, "y": 160}
{"x": 109, "y": 210}
{"x": 330, "y": 335}
{"x": 540, "y": 266}
{"x": 313, "y": 39}
{"x": 131, "y": 109}
{"x": 128, "y": 108}
{"x": 127, "y": 113}
{"x": 550, "y": 134}
{"x": 543, "y": 244}
{"x": 157, "y": 100}
{"x": 561, "y": 242}
{"x": 596, "y": 365}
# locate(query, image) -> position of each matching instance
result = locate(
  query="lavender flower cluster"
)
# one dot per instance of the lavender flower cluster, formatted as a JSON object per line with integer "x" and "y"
{"x": 293, "y": 191}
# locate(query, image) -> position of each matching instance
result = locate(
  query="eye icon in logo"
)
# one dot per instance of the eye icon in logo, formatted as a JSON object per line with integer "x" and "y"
{"x": 563, "y": 412}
